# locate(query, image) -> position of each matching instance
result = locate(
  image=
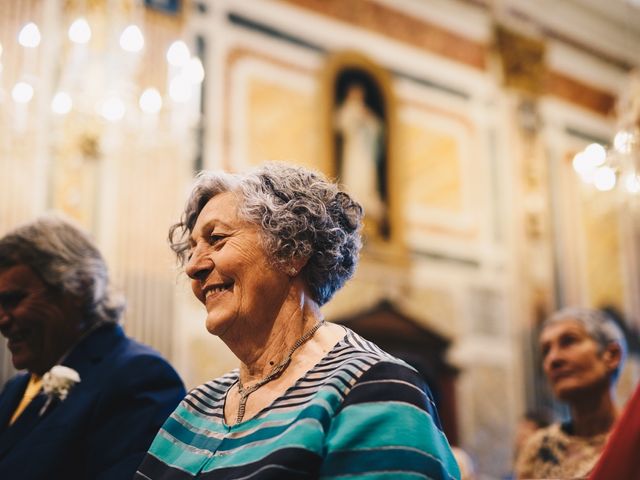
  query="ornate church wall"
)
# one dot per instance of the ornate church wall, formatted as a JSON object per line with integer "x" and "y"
{"x": 485, "y": 228}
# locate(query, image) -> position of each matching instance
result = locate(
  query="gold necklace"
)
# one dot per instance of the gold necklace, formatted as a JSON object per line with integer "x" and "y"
{"x": 275, "y": 372}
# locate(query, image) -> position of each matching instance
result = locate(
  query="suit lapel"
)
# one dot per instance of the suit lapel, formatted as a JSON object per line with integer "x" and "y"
{"x": 11, "y": 397}
{"x": 27, "y": 420}
{"x": 92, "y": 349}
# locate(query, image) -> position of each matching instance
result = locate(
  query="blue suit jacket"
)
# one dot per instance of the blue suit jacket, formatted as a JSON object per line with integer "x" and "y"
{"x": 105, "y": 425}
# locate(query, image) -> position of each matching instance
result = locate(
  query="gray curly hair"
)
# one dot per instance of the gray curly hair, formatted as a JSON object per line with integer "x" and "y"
{"x": 65, "y": 258}
{"x": 598, "y": 325}
{"x": 302, "y": 215}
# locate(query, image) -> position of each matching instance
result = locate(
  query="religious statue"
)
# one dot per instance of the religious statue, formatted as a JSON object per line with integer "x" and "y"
{"x": 361, "y": 152}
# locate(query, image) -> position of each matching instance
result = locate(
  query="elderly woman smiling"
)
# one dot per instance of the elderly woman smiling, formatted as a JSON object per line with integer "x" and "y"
{"x": 311, "y": 399}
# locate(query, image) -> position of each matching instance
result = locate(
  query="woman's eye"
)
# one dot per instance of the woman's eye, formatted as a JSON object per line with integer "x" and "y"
{"x": 213, "y": 238}
{"x": 568, "y": 340}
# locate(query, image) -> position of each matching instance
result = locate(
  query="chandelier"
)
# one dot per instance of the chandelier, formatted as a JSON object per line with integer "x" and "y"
{"x": 99, "y": 81}
{"x": 616, "y": 166}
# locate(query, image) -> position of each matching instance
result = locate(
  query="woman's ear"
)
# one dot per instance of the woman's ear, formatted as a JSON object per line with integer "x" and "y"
{"x": 296, "y": 265}
{"x": 612, "y": 355}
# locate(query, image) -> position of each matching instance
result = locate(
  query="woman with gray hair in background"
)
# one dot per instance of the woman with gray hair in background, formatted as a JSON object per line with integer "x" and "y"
{"x": 583, "y": 352}
{"x": 310, "y": 399}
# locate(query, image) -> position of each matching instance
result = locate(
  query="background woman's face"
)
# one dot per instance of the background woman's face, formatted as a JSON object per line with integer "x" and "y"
{"x": 230, "y": 271}
{"x": 572, "y": 360}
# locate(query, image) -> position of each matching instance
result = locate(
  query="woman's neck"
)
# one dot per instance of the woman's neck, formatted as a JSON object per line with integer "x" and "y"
{"x": 594, "y": 415}
{"x": 259, "y": 352}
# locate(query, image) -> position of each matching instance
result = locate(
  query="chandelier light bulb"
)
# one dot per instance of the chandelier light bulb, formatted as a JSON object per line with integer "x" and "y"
{"x": 622, "y": 141}
{"x": 112, "y": 109}
{"x": 22, "y": 92}
{"x": 61, "y": 103}
{"x": 632, "y": 183}
{"x": 131, "y": 39}
{"x": 180, "y": 89}
{"x": 150, "y": 101}
{"x": 178, "y": 54}
{"x": 194, "y": 70}
{"x": 596, "y": 154}
{"x": 80, "y": 31}
{"x": 29, "y": 35}
{"x": 583, "y": 164}
{"x": 605, "y": 179}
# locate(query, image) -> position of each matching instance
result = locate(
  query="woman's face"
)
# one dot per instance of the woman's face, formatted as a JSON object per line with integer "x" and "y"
{"x": 573, "y": 362}
{"x": 230, "y": 271}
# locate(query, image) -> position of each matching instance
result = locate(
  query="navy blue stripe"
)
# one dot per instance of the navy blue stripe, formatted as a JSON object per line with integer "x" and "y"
{"x": 386, "y": 378}
{"x": 300, "y": 464}
{"x": 158, "y": 470}
{"x": 388, "y": 460}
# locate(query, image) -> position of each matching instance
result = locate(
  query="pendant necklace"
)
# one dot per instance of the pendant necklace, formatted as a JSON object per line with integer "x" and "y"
{"x": 275, "y": 372}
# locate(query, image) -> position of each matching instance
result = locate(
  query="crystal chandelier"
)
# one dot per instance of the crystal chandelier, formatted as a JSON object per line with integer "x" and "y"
{"x": 99, "y": 79}
{"x": 616, "y": 165}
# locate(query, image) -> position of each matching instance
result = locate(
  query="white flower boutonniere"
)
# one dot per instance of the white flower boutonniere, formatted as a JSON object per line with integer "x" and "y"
{"x": 57, "y": 383}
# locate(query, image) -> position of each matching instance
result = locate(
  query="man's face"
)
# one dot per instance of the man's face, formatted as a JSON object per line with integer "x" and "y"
{"x": 39, "y": 323}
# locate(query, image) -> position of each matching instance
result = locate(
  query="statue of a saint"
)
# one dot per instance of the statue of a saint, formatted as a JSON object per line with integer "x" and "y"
{"x": 361, "y": 152}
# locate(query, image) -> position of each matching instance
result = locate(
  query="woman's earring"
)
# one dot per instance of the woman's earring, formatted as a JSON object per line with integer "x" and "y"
{"x": 292, "y": 271}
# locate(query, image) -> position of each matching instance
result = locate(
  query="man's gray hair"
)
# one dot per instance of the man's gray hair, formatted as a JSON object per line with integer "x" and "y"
{"x": 599, "y": 326}
{"x": 66, "y": 259}
{"x": 302, "y": 215}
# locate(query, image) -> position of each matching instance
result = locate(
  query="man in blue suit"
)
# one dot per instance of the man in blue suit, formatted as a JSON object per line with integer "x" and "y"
{"x": 92, "y": 399}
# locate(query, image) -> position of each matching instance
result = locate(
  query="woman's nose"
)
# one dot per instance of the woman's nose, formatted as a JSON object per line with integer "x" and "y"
{"x": 553, "y": 359}
{"x": 199, "y": 265}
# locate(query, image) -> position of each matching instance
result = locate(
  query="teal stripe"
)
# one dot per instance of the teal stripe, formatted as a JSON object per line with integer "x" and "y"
{"x": 371, "y": 425}
{"x": 316, "y": 413}
{"x": 307, "y": 434}
{"x": 189, "y": 437}
{"x": 376, "y": 425}
{"x": 176, "y": 455}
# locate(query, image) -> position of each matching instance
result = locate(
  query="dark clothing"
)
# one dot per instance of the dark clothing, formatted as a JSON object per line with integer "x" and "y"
{"x": 104, "y": 427}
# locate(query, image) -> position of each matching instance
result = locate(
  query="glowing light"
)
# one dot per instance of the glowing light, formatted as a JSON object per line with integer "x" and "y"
{"x": 150, "y": 101}
{"x": 22, "y": 92}
{"x": 596, "y": 153}
{"x": 605, "y": 179}
{"x": 61, "y": 103}
{"x": 180, "y": 89}
{"x": 194, "y": 70}
{"x": 0, "y": 50}
{"x": 178, "y": 54}
{"x": 131, "y": 39}
{"x": 80, "y": 31}
{"x": 632, "y": 183}
{"x": 585, "y": 166}
{"x": 622, "y": 141}
{"x": 29, "y": 35}
{"x": 112, "y": 109}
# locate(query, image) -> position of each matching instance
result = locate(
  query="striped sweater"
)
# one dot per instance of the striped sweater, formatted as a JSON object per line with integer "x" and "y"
{"x": 359, "y": 413}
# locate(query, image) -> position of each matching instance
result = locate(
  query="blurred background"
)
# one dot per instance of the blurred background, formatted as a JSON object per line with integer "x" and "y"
{"x": 494, "y": 144}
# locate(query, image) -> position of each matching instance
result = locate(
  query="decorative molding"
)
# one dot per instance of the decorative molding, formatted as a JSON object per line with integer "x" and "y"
{"x": 592, "y": 98}
{"x": 403, "y": 27}
{"x": 465, "y": 19}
